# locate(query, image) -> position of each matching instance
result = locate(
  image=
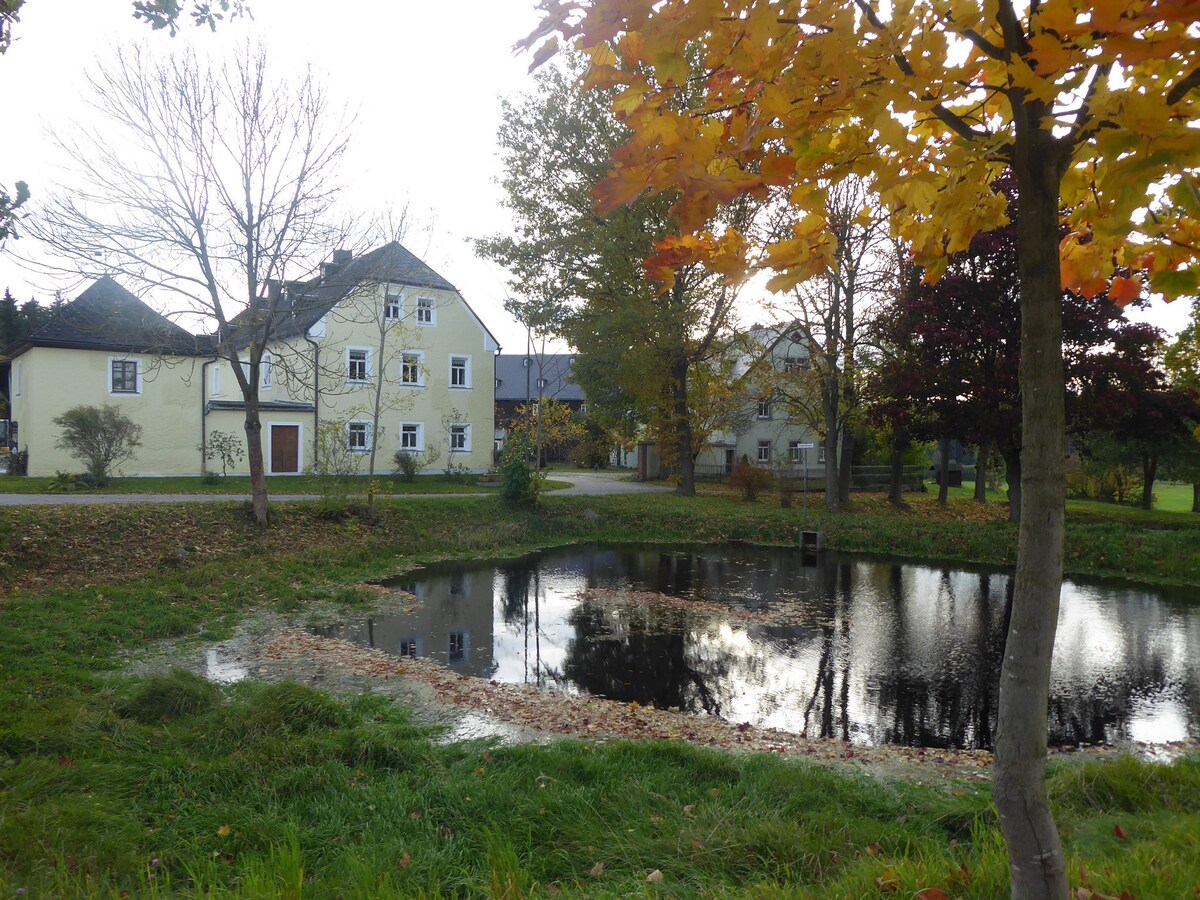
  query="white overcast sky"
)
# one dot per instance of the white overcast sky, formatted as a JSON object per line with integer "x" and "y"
{"x": 424, "y": 79}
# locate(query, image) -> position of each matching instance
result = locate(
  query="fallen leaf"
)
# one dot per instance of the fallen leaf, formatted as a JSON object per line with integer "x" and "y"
{"x": 487, "y": 757}
{"x": 223, "y": 831}
{"x": 696, "y": 842}
{"x": 405, "y": 860}
{"x": 932, "y": 893}
{"x": 655, "y": 877}
{"x": 445, "y": 832}
{"x": 873, "y": 849}
{"x": 1120, "y": 833}
{"x": 416, "y": 814}
{"x": 553, "y": 889}
{"x": 597, "y": 869}
{"x": 687, "y": 810}
{"x": 67, "y": 762}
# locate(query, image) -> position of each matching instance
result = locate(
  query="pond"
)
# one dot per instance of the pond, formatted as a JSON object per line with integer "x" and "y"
{"x": 865, "y": 649}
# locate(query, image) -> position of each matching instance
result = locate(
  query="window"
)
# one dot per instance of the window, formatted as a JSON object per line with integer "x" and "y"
{"x": 411, "y": 369}
{"x": 764, "y": 409}
{"x": 795, "y": 364}
{"x": 764, "y": 451}
{"x": 408, "y": 647}
{"x": 358, "y": 436}
{"x": 216, "y": 382}
{"x": 124, "y": 376}
{"x": 795, "y": 453}
{"x": 542, "y": 382}
{"x": 264, "y": 370}
{"x": 357, "y": 365}
{"x": 425, "y": 308}
{"x": 411, "y": 438}
{"x": 457, "y": 646}
{"x": 525, "y": 362}
{"x": 460, "y": 438}
{"x": 460, "y": 372}
{"x": 821, "y": 454}
{"x": 391, "y": 304}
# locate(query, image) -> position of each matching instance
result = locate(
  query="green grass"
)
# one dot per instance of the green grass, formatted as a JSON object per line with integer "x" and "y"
{"x": 263, "y": 790}
{"x": 1168, "y": 498}
{"x": 240, "y": 485}
{"x": 279, "y": 787}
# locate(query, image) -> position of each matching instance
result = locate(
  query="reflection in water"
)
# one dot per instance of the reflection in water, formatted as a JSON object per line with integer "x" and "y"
{"x": 852, "y": 647}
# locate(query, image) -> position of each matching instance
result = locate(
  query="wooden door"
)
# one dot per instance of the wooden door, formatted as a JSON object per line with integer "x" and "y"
{"x": 285, "y": 449}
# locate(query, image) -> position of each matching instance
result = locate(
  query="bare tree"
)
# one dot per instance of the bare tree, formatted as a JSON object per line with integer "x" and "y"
{"x": 214, "y": 183}
{"x": 830, "y": 312}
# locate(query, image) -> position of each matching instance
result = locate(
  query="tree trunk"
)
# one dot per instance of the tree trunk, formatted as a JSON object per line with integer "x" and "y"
{"x": 1035, "y": 856}
{"x": 981, "y": 468}
{"x": 258, "y": 469}
{"x": 845, "y": 469}
{"x": 1012, "y": 474}
{"x": 1196, "y": 496}
{"x": 683, "y": 430}
{"x": 944, "y": 472}
{"x": 829, "y": 404}
{"x": 899, "y": 445}
{"x": 1149, "y": 473}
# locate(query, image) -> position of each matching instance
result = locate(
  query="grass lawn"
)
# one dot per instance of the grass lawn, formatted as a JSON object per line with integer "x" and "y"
{"x": 240, "y": 484}
{"x": 1168, "y": 497}
{"x": 168, "y": 786}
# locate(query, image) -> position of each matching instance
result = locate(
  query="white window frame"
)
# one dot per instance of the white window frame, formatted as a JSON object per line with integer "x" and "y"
{"x": 763, "y": 445}
{"x": 420, "y": 358}
{"x": 466, "y": 367}
{"x": 821, "y": 455}
{"x": 216, "y": 381}
{"x": 426, "y": 305}
{"x": 367, "y": 436}
{"x": 795, "y": 451}
{"x": 265, "y": 375}
{"x": 393, "y": 304}
{"x": 466, "y": 433}
{"x": 366, "y": 351}
{"x": 764, "y": 409}
{"x": 137, "y": 379}
{"x": 419, "y": 447}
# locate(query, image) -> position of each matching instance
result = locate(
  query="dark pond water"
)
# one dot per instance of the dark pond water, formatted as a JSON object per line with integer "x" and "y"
{"x": 865, "y": 649}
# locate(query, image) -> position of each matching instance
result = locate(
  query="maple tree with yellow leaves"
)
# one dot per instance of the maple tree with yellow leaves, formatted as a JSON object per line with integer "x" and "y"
{"x": 1090, "y": 103}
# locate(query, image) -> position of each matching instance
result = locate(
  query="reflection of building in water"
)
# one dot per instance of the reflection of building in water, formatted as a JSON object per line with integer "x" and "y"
{"x": 453, "y": 625}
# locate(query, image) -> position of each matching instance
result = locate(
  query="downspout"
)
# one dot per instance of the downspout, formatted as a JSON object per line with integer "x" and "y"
{"x": 316, "y": 395}
{"x": 204, "y": 413}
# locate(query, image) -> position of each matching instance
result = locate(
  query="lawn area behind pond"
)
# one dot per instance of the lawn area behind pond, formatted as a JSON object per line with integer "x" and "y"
{"x": 240, "y": 485}
{"x": 166, "y": 784}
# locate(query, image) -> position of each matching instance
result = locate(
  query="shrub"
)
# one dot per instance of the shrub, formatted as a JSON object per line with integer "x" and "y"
{"x": 410, "y": 464}
{"x": 750, "y": 480}
{"x": 224, "y": 446}
{"x": 520, "y": 484}
{"x": 178, "y": 693}
{"x": 100, "y": 437}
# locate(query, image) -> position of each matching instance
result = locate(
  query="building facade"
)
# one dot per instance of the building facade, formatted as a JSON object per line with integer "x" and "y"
{"x": 381, "y": 337}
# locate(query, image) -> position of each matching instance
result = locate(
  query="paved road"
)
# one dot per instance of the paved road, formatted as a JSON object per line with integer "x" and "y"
{"x": 583, "y": 484}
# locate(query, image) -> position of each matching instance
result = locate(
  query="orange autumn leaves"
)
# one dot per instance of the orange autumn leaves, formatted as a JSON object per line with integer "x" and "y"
{"x": 727, "y": 98}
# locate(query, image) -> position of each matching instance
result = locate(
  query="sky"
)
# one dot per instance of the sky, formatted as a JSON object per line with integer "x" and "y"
{"x": 424, "y": 81}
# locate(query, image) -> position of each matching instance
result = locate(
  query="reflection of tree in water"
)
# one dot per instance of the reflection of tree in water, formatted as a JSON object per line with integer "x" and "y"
{"x": 651, "y": 661}
{"x": 518, "y": 582}
{"x": 954, "y": 703}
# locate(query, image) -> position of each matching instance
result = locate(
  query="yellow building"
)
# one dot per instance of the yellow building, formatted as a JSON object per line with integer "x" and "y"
{"x": 381, "y": 337}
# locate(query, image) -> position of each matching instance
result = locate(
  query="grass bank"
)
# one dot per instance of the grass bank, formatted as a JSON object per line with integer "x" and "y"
{"x": 164, "y": 786}
{"x": 240, "y": 484}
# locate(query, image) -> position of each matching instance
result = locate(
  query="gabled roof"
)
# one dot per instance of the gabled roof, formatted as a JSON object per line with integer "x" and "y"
{"x": 310, "y": 301}
{"x": 108, "y": 317}
{"x": 511, "y": 380}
